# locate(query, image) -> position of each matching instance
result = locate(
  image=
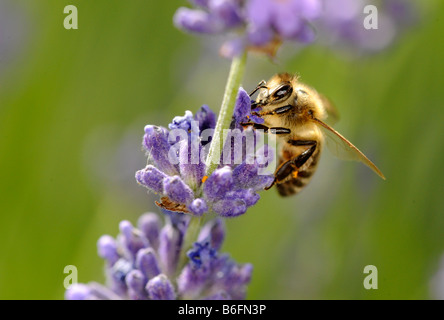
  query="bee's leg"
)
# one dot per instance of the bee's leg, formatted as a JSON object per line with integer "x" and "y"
{"x": 292, "y": 166}
{"x": 256, "y": 126}
{"x": 279, "y": 130}
{"x": 279, "y": 110}
{"x": 272, "y": 130}
{"x": 256, "y": 104}
{"x": 300, "y": 160}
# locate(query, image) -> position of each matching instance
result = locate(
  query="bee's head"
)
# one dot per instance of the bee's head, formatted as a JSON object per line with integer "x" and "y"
{"x": 276, "y": 90}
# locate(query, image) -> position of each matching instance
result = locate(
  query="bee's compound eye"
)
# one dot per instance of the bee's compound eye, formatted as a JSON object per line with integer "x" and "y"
{"x": 282, "y": 92}
{"x": 263, "y": 94}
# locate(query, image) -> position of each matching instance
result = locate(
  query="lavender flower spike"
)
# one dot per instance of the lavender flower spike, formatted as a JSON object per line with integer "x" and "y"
{"x": 183, "y": 186}
{"x": 342, "y": 24}
{"x": 262, "y": 25}
{"x": 154, "y": 274}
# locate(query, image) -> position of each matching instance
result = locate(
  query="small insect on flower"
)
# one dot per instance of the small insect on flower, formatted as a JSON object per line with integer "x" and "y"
{"x": 298, "y": 115}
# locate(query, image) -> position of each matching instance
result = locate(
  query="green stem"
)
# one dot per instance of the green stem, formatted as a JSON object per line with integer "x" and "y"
{"x": 223, "y": 122}
{"x": 226, "y": 111}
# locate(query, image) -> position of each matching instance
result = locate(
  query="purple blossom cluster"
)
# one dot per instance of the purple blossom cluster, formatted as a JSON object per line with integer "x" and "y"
{"x": 342, "y": 25}
{"x": 262, "y": 25}
{"x": 178, "y": 173}
{"x": 258, "y": 24}
{"x": 144, "y": 263}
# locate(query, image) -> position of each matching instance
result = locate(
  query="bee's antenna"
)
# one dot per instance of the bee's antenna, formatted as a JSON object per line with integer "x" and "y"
{"x": 261, "y": 85}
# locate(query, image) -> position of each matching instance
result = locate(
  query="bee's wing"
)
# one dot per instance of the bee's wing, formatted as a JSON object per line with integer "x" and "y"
{"x": 332, "y": 112}
{"x": 344, "y": 149}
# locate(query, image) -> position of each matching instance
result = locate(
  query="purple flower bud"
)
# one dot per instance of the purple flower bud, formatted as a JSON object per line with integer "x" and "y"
{"x": 107, "y": 249}
{"x": 194, "y": 21}
{"x": 198, "y": 207}
{"x": 230, "y": 208}
{"x": 132, "y": 239}
{"x": 198, "y": 272}
{"x": 259, "y": 13}
{"x": 259, "y": 36}
{"x": 232, "y": 48}
{"x": 191, "y": 168}
{"x": 150, "y": 225}
{"x": 288, "y": 19}
{"x": 242, "y": 108}
{"x": 257, "y": 174}
{"x": 226, "y": 11}
{"x": 146, "y": 261}
{"x": 201, "y": 255}
{"x": 156, "y": 144}
{"x": 117, "y": 274}
{"x": 255, "y": 118}
{"x": 182, "y": 122}
{"x": 160, "y": 288}
{"x": 206, "y": 118}
{"x": 151, "y": 178}
{"x": 78, "y": 291}
{"x": 288, "y": 29}
{"x": 231, "y": 277}
{"x": 306, "y": 34}
{"x": 310, "y": 9}
{"x": 170, "y": 244}
{"x": 191, "y": 282}
{"x": 215, "y": 232}
{"x": 246, "y": 176}
{"x": 245, "y": 273}
{"x": 177, "y": 190}
{"x": 219, "y": 183}
{"x": 248, "y": 195}
{"x": 236, "y": 279}
{"x": 136, "y": 282}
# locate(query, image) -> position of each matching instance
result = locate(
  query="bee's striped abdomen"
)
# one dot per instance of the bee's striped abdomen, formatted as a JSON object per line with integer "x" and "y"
{"x": 293, "y": 185}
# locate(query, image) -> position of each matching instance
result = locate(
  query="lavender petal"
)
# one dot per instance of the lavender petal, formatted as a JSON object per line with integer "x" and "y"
{"x": 136, "y": 282}
{"x": 151, "y": 178}
{"x": 215, "y": 232}
{"x": 149, "y": 224}
{"x": 170, "y": 245}
{"x": 219, "y": 183}
{"x": 107, "y": 249}
{"x": 177, "y": 190}
{"x": 160, "y": 288}
{"x": 156, "y": 144}
{"x": 146, "y": 262}
{"x": 198, "y": 207}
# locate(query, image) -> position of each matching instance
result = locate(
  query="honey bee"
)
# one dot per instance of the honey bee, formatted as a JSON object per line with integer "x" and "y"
{"x": 298, "y": 115}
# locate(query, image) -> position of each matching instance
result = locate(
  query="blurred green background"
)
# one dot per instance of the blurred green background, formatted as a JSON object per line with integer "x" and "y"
{"x": 73, "y": 104}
